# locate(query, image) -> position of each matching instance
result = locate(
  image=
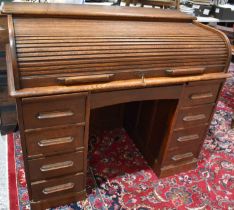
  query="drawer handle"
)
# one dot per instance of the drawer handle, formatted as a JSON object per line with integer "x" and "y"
{"x": 188, "y": 138}
{"x": 56, "y": 166}
{"x": 56, "y": 114}
{"x": 85, "y": 79}
{"x": 201, "y": 96}
{"x": 194, "y": 117}
{"x": 58, "y": 188}
{"x": 183, "y": 72}
{"x": 2, "y": 28}
{"x": 55, "y": 141}
{"x": 182, "y": 156}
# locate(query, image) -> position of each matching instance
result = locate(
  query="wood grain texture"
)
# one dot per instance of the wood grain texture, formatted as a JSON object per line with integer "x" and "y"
{"x": 117, "y": 97}
{"x": 87, "y": 11}
{"x": 68, "y": 47}
{"x": 79, "y": 43}
{"x": 73, "y": 133}
{"x": 59, "y": 110}
{"x": 192, "y": 116}
{"x": 56, "y": 166}
{"x": 38, "y": 187}
{"x": 82, "y": 41}
{"x": 65, "y": 60}
{"x": 114, "y": 85}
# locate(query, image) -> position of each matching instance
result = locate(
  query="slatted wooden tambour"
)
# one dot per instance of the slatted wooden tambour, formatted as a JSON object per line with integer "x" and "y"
{"x": 65, "y": 60}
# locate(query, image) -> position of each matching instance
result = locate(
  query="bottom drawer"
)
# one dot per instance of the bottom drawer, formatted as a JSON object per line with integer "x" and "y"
{"x": 55, "y": 187}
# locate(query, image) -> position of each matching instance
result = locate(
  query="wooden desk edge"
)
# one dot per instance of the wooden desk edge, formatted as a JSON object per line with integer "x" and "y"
{"x": 89, "y": 11}
{"x": 114, "y": 85}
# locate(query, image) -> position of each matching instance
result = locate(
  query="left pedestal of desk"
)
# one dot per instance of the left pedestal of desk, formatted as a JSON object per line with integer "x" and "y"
{"x": 54, "y": 137}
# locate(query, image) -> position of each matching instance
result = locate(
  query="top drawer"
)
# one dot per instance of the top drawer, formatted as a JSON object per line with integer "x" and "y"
{"x": 47, "y": 111}
{"x": 196, "y": 95}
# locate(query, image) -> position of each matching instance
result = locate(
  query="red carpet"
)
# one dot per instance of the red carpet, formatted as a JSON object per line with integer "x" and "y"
{"x": 119, "y": 178}
{"x": 13, "y": 191}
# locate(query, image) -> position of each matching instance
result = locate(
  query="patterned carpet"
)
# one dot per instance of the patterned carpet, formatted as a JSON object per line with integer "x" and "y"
{"x": 119, "y": 178}
{"x": 4, "y": 175}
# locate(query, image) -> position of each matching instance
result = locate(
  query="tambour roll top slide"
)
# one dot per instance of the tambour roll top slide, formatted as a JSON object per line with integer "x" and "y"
{"x": 73, "y": 45}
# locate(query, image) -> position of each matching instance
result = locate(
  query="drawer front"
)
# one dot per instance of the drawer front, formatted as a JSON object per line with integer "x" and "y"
{"x": 190, "y": 137}
{"x": 44, "y": 168}
{"x": 40, "y": 112}
{"x": 193, "y": 116}
{"x": 54, "y": 140}
{"x": 55, "y": 187}
{"x": 181, "y": 155}
{"x": 196, "y": 95}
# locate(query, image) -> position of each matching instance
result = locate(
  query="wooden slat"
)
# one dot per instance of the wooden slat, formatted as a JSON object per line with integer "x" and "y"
{"x": 117, "y": 47}
{"x": 123, "y": 51}
{"x": 161, "y": 39}
{"x": 81, "y": 39}
{"x": 189, "y": 43}
{"x": 117, "y": 60}
{"x": 26, "y": 37}
{"x": 117, "y": 69}
{"x": 117, "y": 54}
{"x": 106, "y": 64}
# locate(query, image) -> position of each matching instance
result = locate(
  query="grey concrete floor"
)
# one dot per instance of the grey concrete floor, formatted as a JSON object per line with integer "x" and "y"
{"x": 4, "y": 197}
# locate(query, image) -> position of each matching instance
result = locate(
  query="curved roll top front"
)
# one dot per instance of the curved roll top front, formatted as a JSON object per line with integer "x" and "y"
{"x": 51, "y": 48}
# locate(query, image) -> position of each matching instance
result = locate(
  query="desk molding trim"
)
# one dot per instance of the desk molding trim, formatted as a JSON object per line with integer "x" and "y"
{"x": 114, "y": 85}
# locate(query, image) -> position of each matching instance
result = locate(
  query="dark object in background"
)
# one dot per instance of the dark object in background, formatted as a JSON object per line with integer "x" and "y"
{"x": 203, "y": 10}
{"x": 96, "y": 0}
{"x": 8, "y": 119}
{"x": 223, "y": 13}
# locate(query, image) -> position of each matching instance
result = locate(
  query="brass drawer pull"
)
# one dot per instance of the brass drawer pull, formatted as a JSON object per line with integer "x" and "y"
{"x": 188, "y": 138}
{"x": 58, "y": 188}
{"x": 201, "y": 96}
{"x": 194, "y": 117}
{"x": 85, "y": 79}
{"x": 56, "y": 166}
{"x": 182, "y": 156}
{"x": 55, "y": 141}
{"x": 183, "y": 72}
{"x": 55, "y": 114}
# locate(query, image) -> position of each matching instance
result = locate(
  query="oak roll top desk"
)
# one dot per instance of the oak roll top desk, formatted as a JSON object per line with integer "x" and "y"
{"x": 66, "y": 62}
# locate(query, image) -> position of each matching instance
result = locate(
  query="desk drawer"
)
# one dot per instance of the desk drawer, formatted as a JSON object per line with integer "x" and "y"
{"x": 193, "y": 116}
{"x": 46, "y": 189}
{"x": 190, "y": 137}
{"x": 54, "y": 140}
{"x": 181, "y": 155}
{"x": 44, "y": 168}
{"x": 204, "y": 94}
{"x": 47, "y": 111}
